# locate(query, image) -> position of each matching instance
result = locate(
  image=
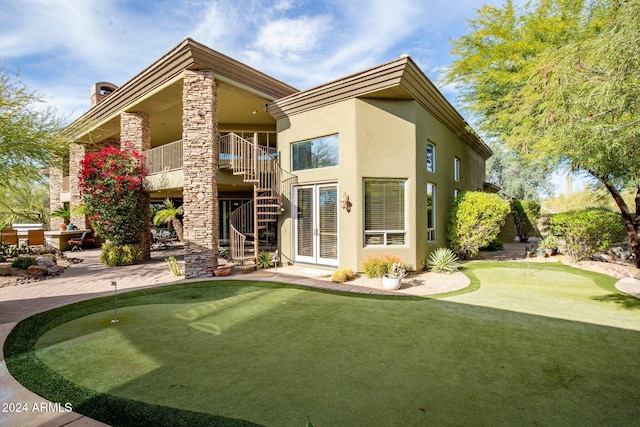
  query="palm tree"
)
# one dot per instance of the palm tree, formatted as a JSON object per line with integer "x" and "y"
{"x": 169, "y": 213}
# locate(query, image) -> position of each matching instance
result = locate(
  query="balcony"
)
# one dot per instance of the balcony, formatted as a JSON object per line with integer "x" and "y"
{"x": 165, "y": 158}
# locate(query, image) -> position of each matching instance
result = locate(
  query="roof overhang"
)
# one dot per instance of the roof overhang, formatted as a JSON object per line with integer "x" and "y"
{"x": 397, "y": 79}
{"x": 167, "y": 72}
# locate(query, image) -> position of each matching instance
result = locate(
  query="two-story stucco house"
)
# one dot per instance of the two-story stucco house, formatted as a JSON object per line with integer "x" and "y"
{"x": 367, "y": 164}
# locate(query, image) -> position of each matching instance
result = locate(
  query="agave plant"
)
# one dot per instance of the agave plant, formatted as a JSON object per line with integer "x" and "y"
{"x": 443, "y": 260}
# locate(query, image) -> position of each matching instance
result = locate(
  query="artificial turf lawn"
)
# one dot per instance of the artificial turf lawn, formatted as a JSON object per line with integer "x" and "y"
{"x": 545, "y": 346}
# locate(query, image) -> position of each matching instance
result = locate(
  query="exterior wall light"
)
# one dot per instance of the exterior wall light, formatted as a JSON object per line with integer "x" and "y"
{"x": 345, "y": 203}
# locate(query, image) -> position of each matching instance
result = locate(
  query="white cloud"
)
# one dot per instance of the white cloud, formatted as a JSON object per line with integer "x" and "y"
{"x": 292, "y": 37}
{"x": 64, "y": 46}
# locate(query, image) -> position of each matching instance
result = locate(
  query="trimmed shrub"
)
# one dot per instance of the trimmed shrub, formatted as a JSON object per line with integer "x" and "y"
{"x": 23, "y": 262}
{"x": 342, "y": 275}
{"x": 526, "y": 214}
{"x": 475, "y": 221}
{"x": 113, "y": 255}
{"x": 379, "y": 265}
{"x": 339, "y": 276}
{"x": 586, "y": 231}
{"x": 443, "y": 260}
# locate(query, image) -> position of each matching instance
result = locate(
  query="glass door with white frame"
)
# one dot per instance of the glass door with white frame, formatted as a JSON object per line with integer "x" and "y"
{"x": 316, "y": 224}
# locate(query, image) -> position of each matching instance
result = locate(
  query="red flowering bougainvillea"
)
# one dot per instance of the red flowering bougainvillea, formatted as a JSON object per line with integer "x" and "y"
{"x": 111, "y": 185}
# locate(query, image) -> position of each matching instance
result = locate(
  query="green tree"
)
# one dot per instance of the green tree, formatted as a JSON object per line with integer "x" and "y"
{"x": 24, "y": 201}
{"x": 169, "y": 214}
{"x": 526, "y": 214}
{"x": 29, "y": 134}
{"x": 518, "y": 178}
{"x": 574, "y": 102}
{"x": 475, "y": 221}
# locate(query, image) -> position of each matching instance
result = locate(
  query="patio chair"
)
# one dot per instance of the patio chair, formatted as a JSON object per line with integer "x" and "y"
{"x": 78, "y": 243}
{"x": 35, "y": 238}
{"x": 9, "y": 236}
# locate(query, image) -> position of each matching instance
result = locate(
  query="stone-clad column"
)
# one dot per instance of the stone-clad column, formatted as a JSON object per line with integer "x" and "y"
{"x": 200, "y": 164}
{"x": 55, "y": 188}
{"x": 135, "y": 130}
{"x": 76, "y": 154}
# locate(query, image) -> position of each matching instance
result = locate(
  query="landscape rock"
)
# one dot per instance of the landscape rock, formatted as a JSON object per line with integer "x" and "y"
{"x": 5, "y": 270}
{"x": 37, "y": 270}
{"x": 49, "y": 263}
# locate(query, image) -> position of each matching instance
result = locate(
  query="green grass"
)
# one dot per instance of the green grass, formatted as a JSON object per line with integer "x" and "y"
{"x": 544, "y": 346}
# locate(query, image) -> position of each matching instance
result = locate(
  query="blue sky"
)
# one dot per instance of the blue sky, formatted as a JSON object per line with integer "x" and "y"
{"x": 61, "y": 47}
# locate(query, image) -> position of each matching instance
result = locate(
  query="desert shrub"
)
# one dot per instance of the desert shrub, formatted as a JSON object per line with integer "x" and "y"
{"x": 4, "y": 248}
{"x": 379, "y": 265}
{"x": 443, "y": 260}
{"x": 23, "y": 262}
{"x": 525, "y": 216}
{"x": 339, "y": 276}
{"x": 114, "y": 255}
{"x": 586, "y": 231}
{"x": 474, "y": 221}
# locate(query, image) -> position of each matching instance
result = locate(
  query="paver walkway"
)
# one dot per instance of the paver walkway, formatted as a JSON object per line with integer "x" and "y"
{"x": 89, "y": 279}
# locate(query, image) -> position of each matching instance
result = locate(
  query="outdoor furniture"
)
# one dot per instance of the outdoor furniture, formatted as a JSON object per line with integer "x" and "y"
{"x": 35, "y": 238}
{"x": 86, "y": 238}
{"x": 163, "y": 239}
{"x": 9, "y": 236}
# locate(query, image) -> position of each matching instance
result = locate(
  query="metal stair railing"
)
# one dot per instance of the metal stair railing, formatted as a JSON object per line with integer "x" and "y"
{"x": 259, "y": 166}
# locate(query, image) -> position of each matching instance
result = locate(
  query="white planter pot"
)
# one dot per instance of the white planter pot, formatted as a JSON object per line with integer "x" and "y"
{"x": 390, "y": 283}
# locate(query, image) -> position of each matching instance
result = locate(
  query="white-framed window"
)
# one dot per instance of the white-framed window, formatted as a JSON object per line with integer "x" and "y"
{"x": 315, "y": 153}
{"x": 456, "y": 193}
{"x": 431, "y": 157}
{"x": 456, "y": 169}
{"x": 431, "y": 212}
{"x": 385, "y": 222}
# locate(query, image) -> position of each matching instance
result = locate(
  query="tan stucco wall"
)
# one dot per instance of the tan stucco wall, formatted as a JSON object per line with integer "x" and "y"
{"x": 472, "y": 177}
{"x": 380, "y": 139}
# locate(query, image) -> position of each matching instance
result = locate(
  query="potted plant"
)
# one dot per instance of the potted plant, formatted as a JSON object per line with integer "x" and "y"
{"x": 393, "y": 278}
{"x": 223, "y": 270}
{"x": 550, "y": 245}
{"x": 541, "y": 249}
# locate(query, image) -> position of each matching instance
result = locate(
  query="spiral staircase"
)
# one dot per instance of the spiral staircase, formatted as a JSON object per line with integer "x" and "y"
{"x": 259, "y": 166}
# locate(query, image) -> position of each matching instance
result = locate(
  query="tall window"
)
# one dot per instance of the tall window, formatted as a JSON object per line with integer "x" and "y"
{"x": 315, "y": 153}
{"x": 431, "y": 212}
{"x": 431, "y": 157}
{"x": 384, "y": 212}
{"x": 456, "y": 169}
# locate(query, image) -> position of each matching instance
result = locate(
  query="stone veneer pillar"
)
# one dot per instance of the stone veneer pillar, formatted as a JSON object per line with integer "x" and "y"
{"x": 200, "y": 165}
{"x": 76, "y": 154}
{"x": 55, "y": 188}
{"x": 135, "y": 130}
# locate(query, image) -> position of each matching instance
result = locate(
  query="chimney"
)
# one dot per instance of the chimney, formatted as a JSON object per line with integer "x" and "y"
{"x": 100, "y": 91}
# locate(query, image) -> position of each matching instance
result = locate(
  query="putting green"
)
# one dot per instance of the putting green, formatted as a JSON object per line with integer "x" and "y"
{"x": 277, "y": 355}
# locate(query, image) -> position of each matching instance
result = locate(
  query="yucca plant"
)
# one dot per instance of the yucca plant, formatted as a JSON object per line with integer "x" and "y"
{"x": 443, "y": 260}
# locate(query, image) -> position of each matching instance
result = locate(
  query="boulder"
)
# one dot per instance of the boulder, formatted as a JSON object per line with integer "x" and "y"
{"x": 37, "y": 271}
{"x": 48, "y": 262}
{"x": 5, "y": 270}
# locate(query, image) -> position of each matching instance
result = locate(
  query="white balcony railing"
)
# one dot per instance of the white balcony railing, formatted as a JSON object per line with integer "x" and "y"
{"x": 165, "y": 158}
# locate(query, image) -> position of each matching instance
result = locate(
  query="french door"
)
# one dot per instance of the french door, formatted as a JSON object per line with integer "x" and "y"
{"x": 316, "y": 224}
